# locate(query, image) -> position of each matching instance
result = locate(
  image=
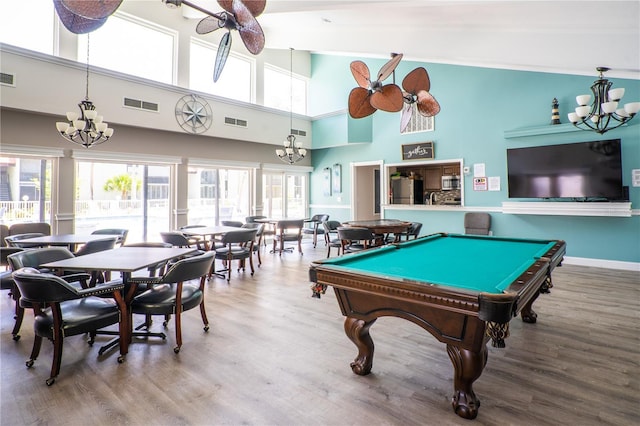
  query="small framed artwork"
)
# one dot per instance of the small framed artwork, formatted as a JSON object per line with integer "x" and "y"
{"x": 337, "y": 178}
{"x": 418, "y": 151}
{"x": 326, "y": 181}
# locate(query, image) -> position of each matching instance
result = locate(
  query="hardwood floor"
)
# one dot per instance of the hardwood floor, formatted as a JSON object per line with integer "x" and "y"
{"x": 276, "y": 356}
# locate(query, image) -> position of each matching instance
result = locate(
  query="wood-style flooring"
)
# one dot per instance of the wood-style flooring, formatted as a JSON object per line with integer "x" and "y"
{"x": 276, "y": 356}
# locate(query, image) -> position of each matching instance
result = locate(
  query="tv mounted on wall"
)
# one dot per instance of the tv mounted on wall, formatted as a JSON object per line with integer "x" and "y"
{"x": 586, "y": 171}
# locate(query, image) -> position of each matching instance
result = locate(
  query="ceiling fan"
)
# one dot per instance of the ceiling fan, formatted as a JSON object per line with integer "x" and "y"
{"x": 81, "y": 17}
{"x": 416, "y": 87}
{"x": 371, "y": 96}
{"x": 236, "y": 16}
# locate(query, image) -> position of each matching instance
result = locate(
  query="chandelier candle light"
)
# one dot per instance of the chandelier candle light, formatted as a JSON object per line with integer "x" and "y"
{"x": 293, "y": 151}
{"x": 87, "y": 128}
{"x": 604, "y": 110}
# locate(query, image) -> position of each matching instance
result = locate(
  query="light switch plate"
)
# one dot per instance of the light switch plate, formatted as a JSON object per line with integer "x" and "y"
{"x": 635, "y": 177}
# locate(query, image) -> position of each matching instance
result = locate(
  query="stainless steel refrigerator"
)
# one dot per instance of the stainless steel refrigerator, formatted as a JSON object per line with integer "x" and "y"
{"x": 407, "y": 191}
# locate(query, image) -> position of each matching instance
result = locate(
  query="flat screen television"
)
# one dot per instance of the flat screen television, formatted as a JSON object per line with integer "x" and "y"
{"x": 585, "y": 171}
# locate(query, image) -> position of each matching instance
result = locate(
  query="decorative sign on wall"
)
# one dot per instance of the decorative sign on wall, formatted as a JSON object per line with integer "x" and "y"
{"x": 337, "y": 178}
{"x": 418, "y": 151}
{"x": 326, "y": 181}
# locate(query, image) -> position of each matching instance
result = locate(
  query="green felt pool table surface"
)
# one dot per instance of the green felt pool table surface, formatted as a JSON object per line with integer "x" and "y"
{"x": 475, "y": 263}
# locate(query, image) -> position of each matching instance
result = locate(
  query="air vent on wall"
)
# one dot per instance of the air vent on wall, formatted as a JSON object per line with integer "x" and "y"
{"x": 7, "y": 79}
{"x": 235, "y": 122}
{"x": 298, "y": 132}
{"x": 135, "y": 103}
{"x": 418, "y": 122}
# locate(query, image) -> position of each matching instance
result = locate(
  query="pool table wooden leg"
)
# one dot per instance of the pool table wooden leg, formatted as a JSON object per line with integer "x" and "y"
{"x": 358, "y": 331}
{"x": 468, "y": 366}
{"x": 527, "y": 313}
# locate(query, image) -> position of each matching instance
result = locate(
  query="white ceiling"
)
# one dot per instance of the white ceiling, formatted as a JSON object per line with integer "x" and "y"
{"x": 572, "y": 36}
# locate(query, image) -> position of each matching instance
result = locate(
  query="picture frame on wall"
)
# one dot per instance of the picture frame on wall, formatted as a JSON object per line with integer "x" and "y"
{"x": 326, "y": 182}
{"x": 418, "y": 151}
{"x": 337, "y": 178}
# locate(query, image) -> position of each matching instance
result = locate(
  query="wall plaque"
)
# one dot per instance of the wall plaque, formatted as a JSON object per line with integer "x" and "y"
{"x": 418, "y": 151}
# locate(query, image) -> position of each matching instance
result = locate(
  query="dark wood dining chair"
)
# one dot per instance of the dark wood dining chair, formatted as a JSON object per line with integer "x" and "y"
{"x": 355, "y": 239}
{"x": 315, "y": 228}
{"x": 288, "y": 231}
{"x": 62, "y": 310}
{"x": 120, "y": 232}
{"x": 237, "y": 245}
{"x": 173, "y": 293}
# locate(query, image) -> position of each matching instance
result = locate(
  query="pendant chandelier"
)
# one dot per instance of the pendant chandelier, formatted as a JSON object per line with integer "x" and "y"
{"x": 87, "y": 128}
{"x": 603, "y": 114}
{"x": 293, "y": 151}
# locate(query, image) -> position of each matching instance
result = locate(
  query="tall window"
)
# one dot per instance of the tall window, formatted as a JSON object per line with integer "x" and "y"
{"x": 278, "y": 85}
{"x": 236, "y": 80}
{"x": 118, "y": 195}
{"x": 284, "y": 194}
{"x": 217, "y": 194}
{"x": 25, "y": 190}
{"x": 28, "y": 24}
{"x": 132, "y": 46}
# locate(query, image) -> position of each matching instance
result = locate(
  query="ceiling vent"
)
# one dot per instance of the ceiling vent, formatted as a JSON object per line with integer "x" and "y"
{"x": 235, "y": 122}
{"x": 298, "y": 132}
{"x": 418, "y": 122}
{"x": 138, "y": 104}
{"x": 7, "y": 79}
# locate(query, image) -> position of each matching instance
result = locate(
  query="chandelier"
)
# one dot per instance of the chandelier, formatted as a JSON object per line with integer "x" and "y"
{"x": 293, "y": 151}
{"x": 603, "y": 114}
{"x": 87, "y": 128}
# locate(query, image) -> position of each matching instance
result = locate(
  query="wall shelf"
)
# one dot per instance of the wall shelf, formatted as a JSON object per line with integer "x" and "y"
{"x": 610, "y": 209}
{"x": 540, "y": 130}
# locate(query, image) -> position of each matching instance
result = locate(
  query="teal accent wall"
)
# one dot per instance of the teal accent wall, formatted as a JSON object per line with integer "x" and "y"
{"x": 477, "y": 106}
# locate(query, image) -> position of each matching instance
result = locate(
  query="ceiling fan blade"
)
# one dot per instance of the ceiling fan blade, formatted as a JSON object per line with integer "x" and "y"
{"x": 388, "y": 68}
{"x": 388, "y": 98}
{"x": 359, "y": 104}
{"x": 253, "y": 38}
{"x": 209, "y": 24}
{"x": 256, "y": 7}
{"x": 75, "y": 23}
{"x": 92, "y": 9}
{"x": 221, "y": 56}
{"x": 427, "y": 104}
{"x": 360, "y": 72}
{"x": 416, "y": 80}
{"x": 407, "y": 112}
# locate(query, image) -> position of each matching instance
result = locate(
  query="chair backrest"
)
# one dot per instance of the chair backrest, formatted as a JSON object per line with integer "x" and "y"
{"x": 240, "y": 236}
{"x": 97, "y": 245}
{"x": 176, "y": 239}
{"x": 415, "y": 229}
{"x": 351, "y": 235}
{"x": 4, "y": 232}
{"x": 114, "y": 231}
{"x": 331, "y": 226}
{"x": 477, "y": 223}
{"x": 5, "y": 252}
{"x": 14, "y": 240}
{"x": 153, "y": 244}
{"x": 37, "y": 287}
{"x": 189, "y": 268}
{"x": 319, "y": 218}
{"x": 235, "y": 223}
{"x": 35, "y": 257}
{"x": 290, "y": 227}
{"x": 24, "y": 228}
{"x": 252, "y": 219}
{"x": 191, "y": 226}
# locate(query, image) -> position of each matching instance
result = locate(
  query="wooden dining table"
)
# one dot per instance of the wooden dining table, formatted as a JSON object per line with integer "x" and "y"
{"x": 125, "y": 260}
{"x": 382, "y": 227}
{"x": 69, "y": 240}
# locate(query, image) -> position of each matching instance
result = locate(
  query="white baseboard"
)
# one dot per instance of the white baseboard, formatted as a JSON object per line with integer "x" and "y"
{"x": 602, "y": 263}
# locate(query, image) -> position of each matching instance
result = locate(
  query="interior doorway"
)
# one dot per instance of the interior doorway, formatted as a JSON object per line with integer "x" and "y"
{"x": 366, "y": 190}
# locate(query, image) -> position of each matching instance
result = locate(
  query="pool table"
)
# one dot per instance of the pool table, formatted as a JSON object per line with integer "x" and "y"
{"x": 463, "y": 289}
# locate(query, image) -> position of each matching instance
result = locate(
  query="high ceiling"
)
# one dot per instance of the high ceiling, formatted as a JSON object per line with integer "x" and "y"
{"x": 572, "y": 36}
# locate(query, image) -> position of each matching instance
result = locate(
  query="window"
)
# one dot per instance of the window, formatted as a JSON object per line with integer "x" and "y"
{"x": 278, "y": 86}
{"x": 120, "y": 195}
{"x": 28, "y": 24}
{"x": 217, "y": 194}
{"x": 132, "y": 46}
{"x": 236, "y": 80}
{"x": 284, "y": 195}
{"x": 25, "y": 190}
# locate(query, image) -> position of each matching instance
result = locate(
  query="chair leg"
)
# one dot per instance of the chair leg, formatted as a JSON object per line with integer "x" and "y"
{"x": 35, "y": 351}
{"x": 19, "y": 315}
{"x": 251, "y": 263}
{"x": 178, "y": 321}
{"x": 58, "y": 340}
{"x": 300, "y": 245}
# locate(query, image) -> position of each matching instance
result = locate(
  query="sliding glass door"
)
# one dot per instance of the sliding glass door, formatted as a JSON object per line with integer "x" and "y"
{"x": 25, "y": 190}
{"x": 284, "y": 194}
{"x": 217, "y": 194}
